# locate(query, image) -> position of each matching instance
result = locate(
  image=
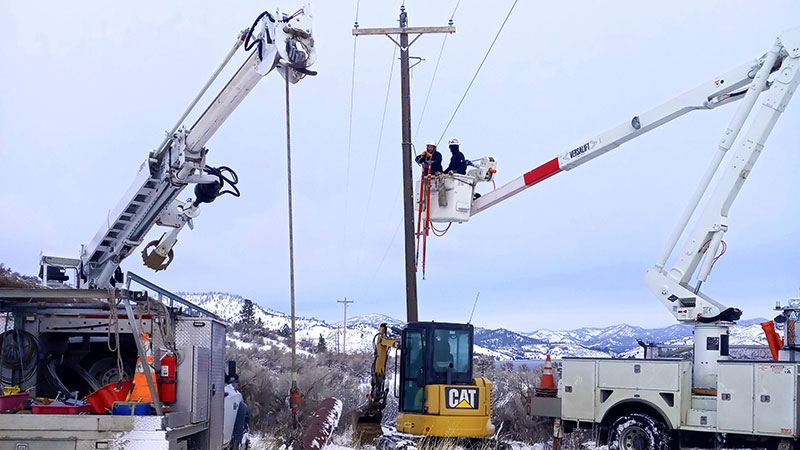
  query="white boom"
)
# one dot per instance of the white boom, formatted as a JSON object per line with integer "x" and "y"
{"x": 279, "y": 41}
{"x": 671, "y": 287}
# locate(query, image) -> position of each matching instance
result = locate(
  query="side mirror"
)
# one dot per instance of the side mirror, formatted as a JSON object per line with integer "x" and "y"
{"x": 231, "y": 377}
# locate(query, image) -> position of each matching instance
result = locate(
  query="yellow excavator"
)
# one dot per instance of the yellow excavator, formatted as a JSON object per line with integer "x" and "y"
{"x": 438, "y": 395}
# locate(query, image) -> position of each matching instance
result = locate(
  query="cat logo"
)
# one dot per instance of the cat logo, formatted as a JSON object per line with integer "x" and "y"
{"x": 461, "y": 398}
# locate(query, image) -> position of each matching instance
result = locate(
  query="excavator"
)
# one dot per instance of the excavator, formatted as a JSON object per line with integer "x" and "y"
{"x": 438, "y": 395}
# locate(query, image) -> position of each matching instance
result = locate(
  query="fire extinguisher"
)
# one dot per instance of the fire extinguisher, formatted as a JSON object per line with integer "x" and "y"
{"x": 166, "y": 385}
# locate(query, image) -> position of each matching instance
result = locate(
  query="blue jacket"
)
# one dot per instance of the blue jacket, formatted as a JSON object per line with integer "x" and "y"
{"x": 458, "y": 164}
{"x": 434, "y": 161}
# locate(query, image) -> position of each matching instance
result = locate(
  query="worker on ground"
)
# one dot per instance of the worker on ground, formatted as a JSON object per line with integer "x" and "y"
{"x": 430, "y": 160}
{"x": 458, "y": 164}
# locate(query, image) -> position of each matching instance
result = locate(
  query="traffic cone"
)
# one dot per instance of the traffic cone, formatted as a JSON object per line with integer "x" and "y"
{"x": 547, "y": 388}
{"x": 141, "y": 391}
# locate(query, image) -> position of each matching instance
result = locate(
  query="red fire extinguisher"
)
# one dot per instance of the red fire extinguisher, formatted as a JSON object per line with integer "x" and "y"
{"x": 166, "y": 385}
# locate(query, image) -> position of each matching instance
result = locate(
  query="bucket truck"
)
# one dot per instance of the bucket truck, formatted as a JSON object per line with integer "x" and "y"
{"x": 641, "y": 404}
{"x": 81, "y": 343}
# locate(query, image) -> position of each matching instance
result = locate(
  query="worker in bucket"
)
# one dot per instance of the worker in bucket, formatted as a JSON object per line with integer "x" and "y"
{"x": 430, "y": 160}
{"x": 458, "y": 164}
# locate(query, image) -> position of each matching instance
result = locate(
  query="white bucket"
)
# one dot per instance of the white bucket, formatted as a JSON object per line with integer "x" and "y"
{"x": 456, "y": 202}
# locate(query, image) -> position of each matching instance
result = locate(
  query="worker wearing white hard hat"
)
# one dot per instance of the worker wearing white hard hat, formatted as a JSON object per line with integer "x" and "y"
{"x": 430, "y": 159}
{"x": 458, "y": 163}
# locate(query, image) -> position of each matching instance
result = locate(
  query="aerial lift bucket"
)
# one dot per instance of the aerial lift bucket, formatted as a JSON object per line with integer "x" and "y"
{"x": 451, "y": 198}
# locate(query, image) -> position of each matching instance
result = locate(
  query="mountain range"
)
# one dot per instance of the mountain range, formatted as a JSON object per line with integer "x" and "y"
{"x": 500, "y": 344}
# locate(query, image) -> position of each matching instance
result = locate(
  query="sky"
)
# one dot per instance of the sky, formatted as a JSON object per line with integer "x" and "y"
{"x": 88, "y": 91}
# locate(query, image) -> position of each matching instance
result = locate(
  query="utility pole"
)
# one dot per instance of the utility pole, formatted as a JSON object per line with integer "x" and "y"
{"x": 344, "y": 324}
{"x": 408, "y": 186}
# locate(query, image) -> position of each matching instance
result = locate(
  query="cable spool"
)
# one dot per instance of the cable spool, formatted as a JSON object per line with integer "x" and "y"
{"x": 20, "y": 351}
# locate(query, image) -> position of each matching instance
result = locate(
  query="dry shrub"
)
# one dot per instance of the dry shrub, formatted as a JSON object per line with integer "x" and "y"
{"x": 265, "y": 379}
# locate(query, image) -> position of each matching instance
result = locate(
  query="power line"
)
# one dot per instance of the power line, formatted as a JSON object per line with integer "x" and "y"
{"x": 386, "y": 252}
{"x": 454, "y": 10}
{"x": 476, "y": 72}
{"x": 380, "y": 138}
{"x": 350, "y": 134}
{"x": 435, "y": 70}
{"x": 430, "y": 87}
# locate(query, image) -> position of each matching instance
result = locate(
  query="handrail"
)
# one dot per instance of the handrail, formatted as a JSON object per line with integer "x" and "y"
{"x": 149, "y": 285}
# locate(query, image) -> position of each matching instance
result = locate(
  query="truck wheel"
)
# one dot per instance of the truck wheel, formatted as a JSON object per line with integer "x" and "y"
{"x": 638, "y": 431}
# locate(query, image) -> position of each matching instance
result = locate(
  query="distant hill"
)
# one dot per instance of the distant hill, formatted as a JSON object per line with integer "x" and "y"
{"x": 501, "y": 344}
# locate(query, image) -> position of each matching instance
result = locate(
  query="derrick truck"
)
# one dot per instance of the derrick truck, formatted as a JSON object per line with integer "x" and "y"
{"x": 81, "y": 334}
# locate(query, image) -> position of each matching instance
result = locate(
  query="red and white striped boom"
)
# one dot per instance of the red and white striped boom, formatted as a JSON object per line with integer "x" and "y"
{"x": 709, "y": 95}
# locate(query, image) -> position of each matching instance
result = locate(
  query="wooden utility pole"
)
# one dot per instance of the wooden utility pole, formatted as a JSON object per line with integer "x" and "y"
{"x": 408, "y": 186}
{"x": 344, "y": 324}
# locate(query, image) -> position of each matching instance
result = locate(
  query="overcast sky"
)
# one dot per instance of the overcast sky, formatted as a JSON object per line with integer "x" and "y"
{"x": 87, "y": 91}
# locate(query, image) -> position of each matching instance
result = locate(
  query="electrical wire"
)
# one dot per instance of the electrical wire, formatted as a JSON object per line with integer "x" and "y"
{"x": 440, "y": 233}
{"x": 430, "y": 87}
{"x": 388, "y": 247}
{"x": 380, "y": 138}
{"x": 350, "y": 135}
{"x": 249, "y": 45}
{"x": 435, "y": 70}
{"x": 477, "y": 71}
{"x": 724, "y": 249}
{"x": 232, "y": 179}
{"x": 454, "y": 10}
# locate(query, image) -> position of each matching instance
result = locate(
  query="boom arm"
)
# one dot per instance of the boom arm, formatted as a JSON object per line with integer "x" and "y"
{"x": 367, "y": 419}
{"x": 282, "y": 42}
{"x": 671, "y": 287}
{"x": 709, "y": 95}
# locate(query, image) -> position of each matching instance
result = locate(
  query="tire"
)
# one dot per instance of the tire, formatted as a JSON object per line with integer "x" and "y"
{"x": 105, "y": 371}
{"x": 637, "y": 431}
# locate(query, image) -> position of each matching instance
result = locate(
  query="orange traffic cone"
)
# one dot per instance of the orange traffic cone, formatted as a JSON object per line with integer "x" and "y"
{"x": 547, "y": 388}
{"x": 141, "y": 391}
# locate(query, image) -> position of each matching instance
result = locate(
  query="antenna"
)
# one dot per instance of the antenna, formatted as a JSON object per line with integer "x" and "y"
{"x": 473, "y": 307}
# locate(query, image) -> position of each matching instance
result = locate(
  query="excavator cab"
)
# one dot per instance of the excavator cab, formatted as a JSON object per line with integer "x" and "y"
{"x": 438, "y": 394}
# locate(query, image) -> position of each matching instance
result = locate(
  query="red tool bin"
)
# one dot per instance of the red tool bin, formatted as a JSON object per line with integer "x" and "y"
{"x": 62, "y": 409}
{"x": 12, "y": 402}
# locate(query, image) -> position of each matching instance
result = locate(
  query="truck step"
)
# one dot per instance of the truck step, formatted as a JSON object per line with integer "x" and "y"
{"x": 704, "y": 402}
{"x": 701, "y": 418}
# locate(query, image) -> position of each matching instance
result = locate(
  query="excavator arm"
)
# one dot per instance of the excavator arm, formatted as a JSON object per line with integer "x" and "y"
{"x": 367, "y": 419}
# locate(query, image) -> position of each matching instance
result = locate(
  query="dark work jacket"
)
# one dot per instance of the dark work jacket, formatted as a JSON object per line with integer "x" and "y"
{"x": 434, "y": 161}
{"x": 458, "y": 164}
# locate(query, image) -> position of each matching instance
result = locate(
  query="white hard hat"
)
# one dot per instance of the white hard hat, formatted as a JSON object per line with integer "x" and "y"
{"x": 454, "y": 141}
{"x": 431, "y": 142}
